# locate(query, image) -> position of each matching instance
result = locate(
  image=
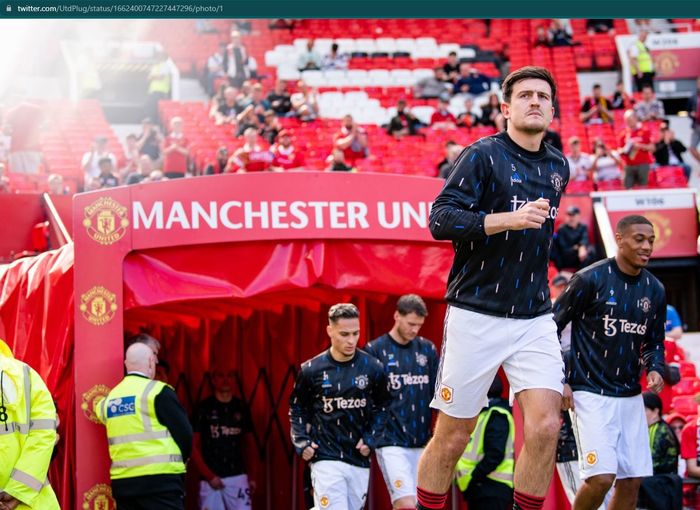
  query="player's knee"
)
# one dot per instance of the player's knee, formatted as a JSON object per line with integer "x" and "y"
{"x": 601, "y": 483}
{"x": 545, "y": 430}
{"x": 453, "y": 441}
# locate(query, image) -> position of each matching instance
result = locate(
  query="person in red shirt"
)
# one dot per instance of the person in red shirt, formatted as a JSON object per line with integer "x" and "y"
{"x": 690, "y": 453}
{"x": 176, "y": 151}
{"x": 352, "y": 140}
{"x": 636, "y": 150}
{"x": 253, "y": 156}
{"x": 286, "y": 155}
{"x": 442, "y": 119}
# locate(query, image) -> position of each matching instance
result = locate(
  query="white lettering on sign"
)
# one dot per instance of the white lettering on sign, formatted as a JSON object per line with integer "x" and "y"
{"x": 279, "y": 215}
{"x": 650, "y": 200}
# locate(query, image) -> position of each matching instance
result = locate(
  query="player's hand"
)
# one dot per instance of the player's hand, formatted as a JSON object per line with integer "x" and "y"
{"x": 582, "y": 253}
{"x": 567, "y": 398}
{"x": 531, "y": 215}
{"x": 309, "y": 451}
{"x": 655, "y": 382}
{"x": 216, "y": 483}
{"x": 364, "y": 449}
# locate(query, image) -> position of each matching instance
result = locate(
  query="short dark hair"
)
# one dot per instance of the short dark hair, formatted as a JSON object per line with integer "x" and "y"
{"x": 342, "y": 311}
{"x": 104, "y": 160}
{"x": 652, "y": 401}
{"x": 452, "y": 53}
{"x": 632, "y": 219}
{"x": 334, "y": 47}
{"x": 525, "y": 73}
{"x": 596, "y": 85}
{"x": 411, "y": 303}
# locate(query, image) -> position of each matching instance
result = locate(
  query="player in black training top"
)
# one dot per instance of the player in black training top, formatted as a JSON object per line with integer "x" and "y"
{"x": 338, "y": 412}
{"x": 617, "y": 310}
{"x": 498, "y": 208}
{"x": 410, "y": 361}
{"x": 220, "y": 424}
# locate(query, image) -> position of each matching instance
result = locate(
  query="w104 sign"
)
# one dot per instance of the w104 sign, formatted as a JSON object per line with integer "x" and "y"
{"x": 673, "y": 213}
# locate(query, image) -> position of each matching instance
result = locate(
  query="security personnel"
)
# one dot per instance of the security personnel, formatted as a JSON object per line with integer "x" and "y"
{"x": 641, "y": 62}
{"x": 149, "y": 435}
{"x": 485, "y": 470}
{"x": 27, "y": 436}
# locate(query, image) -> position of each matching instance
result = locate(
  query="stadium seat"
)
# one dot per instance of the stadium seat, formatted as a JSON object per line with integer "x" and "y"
{"x": 684, "y": 405}
{"x": 687, "y": 386}
{"x": 687, "y": 368}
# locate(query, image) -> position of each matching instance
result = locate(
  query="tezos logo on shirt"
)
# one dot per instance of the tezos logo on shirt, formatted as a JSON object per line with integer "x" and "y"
{"x": 516, "y": 203}
{"x": 612, "y": 326}
{"x": 332, "y": 403}
{"x": 121, "y": 406}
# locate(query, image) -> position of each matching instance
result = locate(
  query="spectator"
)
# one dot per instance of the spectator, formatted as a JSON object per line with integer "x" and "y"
{"x": 669, "y": 151}
{"x": 606, "y": 163}
{"x": 221, "y": 424}
{"x": 674, "y": 326}
{"x": 433, "y": 86}
{"x": 236, "y": 61}
{"x": 256, "y": 99}
{"x": 131, "y": 157}
{"x": 445, "y": 168}
{"x": 228, "y": 109}
{"x": 159, "y": 84}
{"x": 4, "y": 179}
{"x": 336, "y": 162}
{"x": 596, "y": 109}
{"x": 150, "y": 139}
{"x": 641, "y": 62}
{"x": 253, "y": 156}
{"x": 176, "y": 151}
{"x": 468, "y": 118}
{"x": 649, "y": 108}
{"x": 352, "y": 140}
{"x": 335, "y": 60}
{"x": 271, "y": 127}
{"x": 663, "y": 489}
{"x": 23, "y": 122}
{"x": 279, "y": 99}
{"x": 451, "y": 67}
{"x": 309, "y": 59}
{"x": 215, "y": 68}
{"x": 621, "y": 100}
{"x": 600, "y": 26}
{"x": 689, "y": 447}
{"x": 636, "y": 149}
{"x": 541, "y": 38}
{"x": 552, "y": 138}
{"x": 471, "y": 81}
{"x": 580, "y": 163}
{"x": 221, "y": 165}
{"x": 558, "y": 34}
{"x": 694, "y": 114}
{"x": 490, "y": 110}
{"x": 106, "y": 177}
{"x": 286, "y": 156}
{"x": 156, "y": 175}
{"x": 91, "y": 159}
{"x": 676, "y": 421}
{"x": 247, "y": 119}
{"x": 570, "y": 248}
{"x": 442, "y": 119}
{"x": 403, "y": 123}
{"x": 55, "y": 184}
{"x": 448, "y": 144}
{"x": 143, "y": 171}
{"x": 305, "y": 102}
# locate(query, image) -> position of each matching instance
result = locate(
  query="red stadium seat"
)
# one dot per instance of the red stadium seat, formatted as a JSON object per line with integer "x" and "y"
{"x": 684, "y": 405}
{"x": 687, "y": 369}
{"x": 687, "y": 386}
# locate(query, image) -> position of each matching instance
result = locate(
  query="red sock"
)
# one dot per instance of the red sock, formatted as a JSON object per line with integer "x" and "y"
{"x": 430, "y": 501}
{"x": 527, "y": 501}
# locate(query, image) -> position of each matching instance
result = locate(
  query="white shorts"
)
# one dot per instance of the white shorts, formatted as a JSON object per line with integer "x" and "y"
{"x": 338, "y": 485}
{"x": 476, "y": 345}
{"x": 234, "y": 496}
{"x": 570, "y": 479}
{"x": 612, "y": 435}
{"x": 399, "y": 466}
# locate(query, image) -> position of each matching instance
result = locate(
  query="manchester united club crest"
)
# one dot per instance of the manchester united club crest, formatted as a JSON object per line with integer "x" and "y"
{"x": 666, "y": 63}
{"x": 98, "y": 305}
{"x": 88, "y": 401}
{"x": 446, "y": 394}
{"x": 361, "y": 381}
{"x": 421, "y": 359}
{"x": 324, "y": 501}
{"x": 99, "y": 498}
{"x": 105, "y": 220}
{"x": 644, "y": 304}
{"x": 557, "y": 182}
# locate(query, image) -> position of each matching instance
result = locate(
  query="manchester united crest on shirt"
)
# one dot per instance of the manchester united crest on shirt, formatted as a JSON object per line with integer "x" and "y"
{"x": 557, "y": 182}
{"x": 644, "y": 304}
{"x": 361, "y": 381}
{"x": 421, "y": 359}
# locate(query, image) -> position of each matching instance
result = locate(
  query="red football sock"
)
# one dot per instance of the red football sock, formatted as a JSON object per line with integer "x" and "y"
{"x": 524, "y": 501}
{"x": 430, "y": 501}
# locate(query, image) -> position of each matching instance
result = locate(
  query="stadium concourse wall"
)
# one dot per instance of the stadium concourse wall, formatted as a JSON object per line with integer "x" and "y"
{"x": 233, "y": 269}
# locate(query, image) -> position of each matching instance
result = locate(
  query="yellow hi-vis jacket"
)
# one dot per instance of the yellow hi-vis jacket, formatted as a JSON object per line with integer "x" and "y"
{"x": 27, "y": 434}
{"x": 474, "y": 452}
{"x": 645, "y": 64}
{"x": 139, "y": 444}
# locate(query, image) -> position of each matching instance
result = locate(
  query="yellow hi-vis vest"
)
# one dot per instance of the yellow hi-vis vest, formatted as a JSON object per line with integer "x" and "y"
{"x": 27, "y": 435}
{"x": 645, "y": 63}
{"x": 474, "y": 452}
{"x": 139, "y": 444}
{"x": 159, "y": 79}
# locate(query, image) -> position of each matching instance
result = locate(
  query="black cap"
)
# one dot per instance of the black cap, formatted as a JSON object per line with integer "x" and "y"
{"x": 573, "y": 210}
